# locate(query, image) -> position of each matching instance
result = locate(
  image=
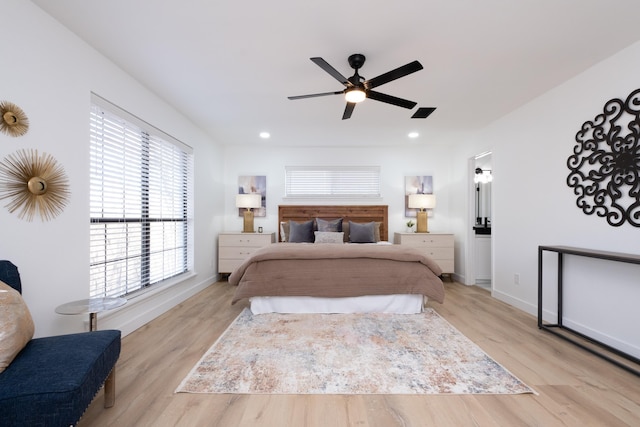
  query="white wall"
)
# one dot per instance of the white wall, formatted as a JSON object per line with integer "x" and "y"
{"x": 534, "y": 206}
{"x": 49, "y": 73}
{"x": 431, "y": 158}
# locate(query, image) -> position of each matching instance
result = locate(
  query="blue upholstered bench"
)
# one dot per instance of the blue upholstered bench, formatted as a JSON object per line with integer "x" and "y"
{"x": 52, "y": 381}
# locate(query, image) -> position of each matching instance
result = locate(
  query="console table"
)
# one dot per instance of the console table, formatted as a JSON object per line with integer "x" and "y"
{"x": 554, "y": 328}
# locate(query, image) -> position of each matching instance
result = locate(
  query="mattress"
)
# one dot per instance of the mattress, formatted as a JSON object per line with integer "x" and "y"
{"x": 398, "y": 304}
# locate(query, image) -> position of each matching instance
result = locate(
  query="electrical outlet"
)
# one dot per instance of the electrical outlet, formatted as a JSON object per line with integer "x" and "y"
{"x": 516, "y": 279}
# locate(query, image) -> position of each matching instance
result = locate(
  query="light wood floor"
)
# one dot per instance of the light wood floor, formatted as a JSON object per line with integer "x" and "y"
{"x": 575, "y": 387}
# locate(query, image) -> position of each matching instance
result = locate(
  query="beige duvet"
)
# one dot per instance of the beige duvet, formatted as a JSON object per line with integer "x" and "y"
{"x": 337, "y": 270}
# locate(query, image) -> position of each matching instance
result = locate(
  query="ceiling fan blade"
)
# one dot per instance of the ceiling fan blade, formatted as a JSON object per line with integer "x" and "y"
{"x": 405, "y": 70}
{"x": 404, "y": 103}
{"x": 348, "y": 110}
{"x": 314, "y": 95}
{"x": 329, "y": 69}
{"x": 423, "y": 112}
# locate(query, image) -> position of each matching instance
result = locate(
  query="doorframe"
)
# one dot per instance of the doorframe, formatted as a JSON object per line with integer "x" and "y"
{"x": 471, "y": 221}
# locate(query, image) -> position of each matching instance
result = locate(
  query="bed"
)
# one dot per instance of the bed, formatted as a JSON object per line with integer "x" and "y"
{"x": 337, "y": 277}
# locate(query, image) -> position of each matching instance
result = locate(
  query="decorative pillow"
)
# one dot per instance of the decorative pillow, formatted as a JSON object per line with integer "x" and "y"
{"x": 329, "y": 237}
{"x": 376, "y": 231}
{"x": 329, "y": 225}
{"x": 284, "y": 231}
{"x": 362, "y": 233}
{"x": 345, "y": 230}
{"x": 301, "y": 232}
{"x": 16, "y": 325}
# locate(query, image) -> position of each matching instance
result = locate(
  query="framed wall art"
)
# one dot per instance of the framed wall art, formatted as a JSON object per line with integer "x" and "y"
{"x": 421, "y": 184}
{"x": 254, "y": 184}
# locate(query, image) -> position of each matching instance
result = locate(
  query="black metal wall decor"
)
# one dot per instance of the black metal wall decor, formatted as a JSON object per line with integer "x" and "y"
{"x": 605, "y": 167}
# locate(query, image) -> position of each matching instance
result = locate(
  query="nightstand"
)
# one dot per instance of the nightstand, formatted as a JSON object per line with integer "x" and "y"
{"x": 233, "y": 248}
{"x": 438, "y": 247}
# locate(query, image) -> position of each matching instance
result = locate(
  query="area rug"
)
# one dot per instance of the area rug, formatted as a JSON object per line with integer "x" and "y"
{"x": 347, "y": 354}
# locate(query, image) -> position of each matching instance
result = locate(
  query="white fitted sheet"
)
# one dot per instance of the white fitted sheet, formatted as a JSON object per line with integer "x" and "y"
{"x": 399, "y": 304}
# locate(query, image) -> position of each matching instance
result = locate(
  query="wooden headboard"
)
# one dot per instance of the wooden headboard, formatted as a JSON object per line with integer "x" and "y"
{"x": 354, "y": 213}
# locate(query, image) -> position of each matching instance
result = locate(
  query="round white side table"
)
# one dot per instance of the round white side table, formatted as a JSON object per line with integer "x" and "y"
{"x": 93, "y": 306}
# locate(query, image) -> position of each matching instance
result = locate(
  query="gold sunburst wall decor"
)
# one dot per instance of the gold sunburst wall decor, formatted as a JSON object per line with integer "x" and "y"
{"x": 33, "y": 183}
{"x": 13, "y": 121}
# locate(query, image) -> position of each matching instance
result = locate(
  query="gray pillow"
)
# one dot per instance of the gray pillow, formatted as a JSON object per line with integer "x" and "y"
{"x": 334, "y": 225}
{"x": 301, "y": 232}
{"x": 362, "y": 233}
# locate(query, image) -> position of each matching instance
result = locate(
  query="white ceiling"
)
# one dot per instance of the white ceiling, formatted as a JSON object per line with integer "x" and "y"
{"x": 230, "y": 65}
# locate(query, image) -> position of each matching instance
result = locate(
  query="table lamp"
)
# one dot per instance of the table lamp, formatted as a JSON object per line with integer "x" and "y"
{"x": 248, "y": 201}
{"x": 422, "y": 202}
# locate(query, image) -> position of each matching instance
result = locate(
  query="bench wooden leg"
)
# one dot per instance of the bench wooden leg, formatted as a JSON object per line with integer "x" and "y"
{"x": 110, "y": 389}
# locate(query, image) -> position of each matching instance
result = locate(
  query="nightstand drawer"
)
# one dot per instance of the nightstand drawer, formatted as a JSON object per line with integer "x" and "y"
{"x": 245, "y": 239}
{"x": 429, "y": 240}
{"x": 437, "y": 253}
{"x": 445, "y": 265}
{"x": 236, "y": 252}
{"x": 228, "y": 265}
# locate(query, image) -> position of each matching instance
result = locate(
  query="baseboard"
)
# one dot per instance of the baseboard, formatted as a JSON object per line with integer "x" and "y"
{"x": 515, "y": 302}
{"x": 140, "y": 311}
{"x": 615, "y": 342}
{"x": 458, "y": 278}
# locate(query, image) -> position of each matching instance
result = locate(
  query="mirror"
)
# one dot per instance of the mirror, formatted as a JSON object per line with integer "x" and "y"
{"x": 482, "y": 179}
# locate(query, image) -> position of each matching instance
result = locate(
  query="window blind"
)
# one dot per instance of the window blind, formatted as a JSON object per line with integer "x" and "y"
{"x": 140, "y": 203}
{"x": 332, "y": 181}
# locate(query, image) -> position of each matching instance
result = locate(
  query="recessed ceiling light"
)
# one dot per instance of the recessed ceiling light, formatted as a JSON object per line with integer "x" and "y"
{"x": 413, "y": 134}
{"x": 265, "y": 135}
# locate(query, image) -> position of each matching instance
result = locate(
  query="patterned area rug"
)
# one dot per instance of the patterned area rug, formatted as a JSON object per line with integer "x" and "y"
{"x": 347, "y": 354}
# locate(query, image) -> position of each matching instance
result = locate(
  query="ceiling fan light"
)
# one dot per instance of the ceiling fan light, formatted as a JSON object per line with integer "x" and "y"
{"x": 355, "y": 95}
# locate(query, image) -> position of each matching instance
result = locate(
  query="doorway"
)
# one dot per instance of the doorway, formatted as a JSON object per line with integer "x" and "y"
{"x": 482, "y": 220}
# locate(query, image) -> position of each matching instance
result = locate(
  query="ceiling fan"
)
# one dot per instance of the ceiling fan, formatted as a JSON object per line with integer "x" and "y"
{"x": 357, "y": 89}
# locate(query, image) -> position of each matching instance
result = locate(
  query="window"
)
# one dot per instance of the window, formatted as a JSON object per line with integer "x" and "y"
{"x": 332, "y": 181}
{"x": 140, "y": 203}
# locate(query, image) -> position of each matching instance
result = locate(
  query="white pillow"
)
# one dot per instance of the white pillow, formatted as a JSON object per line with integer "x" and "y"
{"x": 329, "y": 236}
{"x": 16, "y": 325}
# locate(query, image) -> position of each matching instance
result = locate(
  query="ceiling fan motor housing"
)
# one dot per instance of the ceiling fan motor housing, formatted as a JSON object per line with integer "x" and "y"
{"x": 356, "y": 61}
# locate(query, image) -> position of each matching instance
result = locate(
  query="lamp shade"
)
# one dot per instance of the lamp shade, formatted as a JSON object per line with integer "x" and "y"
{"x": 251, "y": 200}
{"x": 422, "y": 201}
